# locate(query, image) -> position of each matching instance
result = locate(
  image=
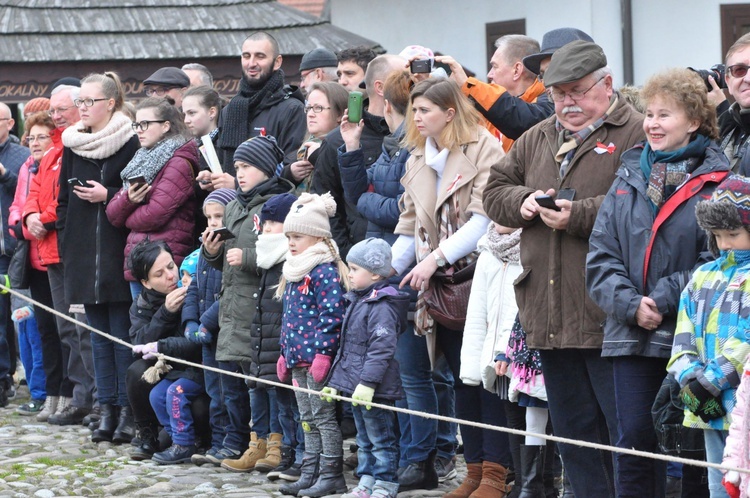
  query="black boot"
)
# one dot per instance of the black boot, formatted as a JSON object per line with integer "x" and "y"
{"x": 420, "y": 475}
{"x": 515, "y": 441}
{"x": 532, "y": 458}
{"x": 309, "y": 475}
{"x": 107, "y": 424}
{"x": 149, "y": 443}
{"x": 331, "y": 480}
{"x": 125, "y": 430}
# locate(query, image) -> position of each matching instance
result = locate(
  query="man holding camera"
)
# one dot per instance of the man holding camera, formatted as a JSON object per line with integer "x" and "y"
{"x": 576, "y": 150}
{"x": 734, "y": 124}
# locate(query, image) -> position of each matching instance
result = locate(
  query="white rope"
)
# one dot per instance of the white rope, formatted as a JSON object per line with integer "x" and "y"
{"x": 479, "y": 425}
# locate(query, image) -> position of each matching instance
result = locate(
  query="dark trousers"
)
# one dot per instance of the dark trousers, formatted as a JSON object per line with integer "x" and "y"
{"x": 8, "y": 351}
{"x": 237, "y": 402}
{"x": 581, "y": 397}
{"x": 51, "y": 345}
{"x": 138, "y": 393}
{"x": 111, "y": 360}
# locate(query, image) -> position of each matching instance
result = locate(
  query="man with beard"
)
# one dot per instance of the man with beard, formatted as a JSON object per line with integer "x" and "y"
{"x": 264, "y": 104}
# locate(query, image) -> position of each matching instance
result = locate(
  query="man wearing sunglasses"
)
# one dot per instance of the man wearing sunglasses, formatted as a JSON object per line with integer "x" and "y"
{"x": 734, "y": 124}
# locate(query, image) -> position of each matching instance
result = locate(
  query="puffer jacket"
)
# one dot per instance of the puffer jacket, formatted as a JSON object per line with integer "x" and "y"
{"x": 150, "y": 321}
{"x": 373, "y": 322}
{"x": 42, "y": 199}
{"x": 738, "y": 442}
{"x": 16, "y": 228}
{"x": 266, "y": 327}
{"x": 169, "y": 211}
{"x": 203, "y": 292}
{"x": 240, "y": 284}
{"x": 628, "y": 234}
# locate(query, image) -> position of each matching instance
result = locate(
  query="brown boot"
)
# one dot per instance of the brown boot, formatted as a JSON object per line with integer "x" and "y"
{"x": 493, "y": 481}
{"x": 246, "y": 463}
{"x": 273, "y": 454}
{"x": 470, "y": 483}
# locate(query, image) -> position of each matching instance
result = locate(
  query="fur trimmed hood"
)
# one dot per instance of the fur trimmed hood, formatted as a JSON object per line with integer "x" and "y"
{"x": 717, "y": 215}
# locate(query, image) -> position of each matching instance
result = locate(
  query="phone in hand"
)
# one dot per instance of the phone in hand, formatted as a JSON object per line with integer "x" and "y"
{"x": 354, "y": 107}
{"x": 546, "y": 202}
{"x": 76, "y": 181}
{"x": 223, "y": 233}
{"x": 421, "y": 66}
{"x": 138, "y": 181}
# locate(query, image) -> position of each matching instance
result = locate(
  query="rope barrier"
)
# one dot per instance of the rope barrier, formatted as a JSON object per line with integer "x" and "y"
{"x": 479, "y": 425}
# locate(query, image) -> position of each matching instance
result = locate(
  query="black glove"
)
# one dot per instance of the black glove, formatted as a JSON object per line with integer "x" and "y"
{"x": 700, "y": 401}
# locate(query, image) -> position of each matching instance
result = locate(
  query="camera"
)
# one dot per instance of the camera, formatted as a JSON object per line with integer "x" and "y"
{"x": 421, "y": 66}
{"x": 717, "y": 71}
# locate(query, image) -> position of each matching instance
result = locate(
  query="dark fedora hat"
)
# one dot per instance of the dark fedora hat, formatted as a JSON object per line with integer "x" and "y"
{"x": 551, "y": 41}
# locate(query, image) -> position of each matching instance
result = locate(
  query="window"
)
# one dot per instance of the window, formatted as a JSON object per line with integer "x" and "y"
{"x": 495, "y": 30}
{"x": 735, "y": 22}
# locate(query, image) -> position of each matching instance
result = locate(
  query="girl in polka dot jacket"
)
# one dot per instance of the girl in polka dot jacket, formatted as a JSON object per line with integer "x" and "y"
{"x": 314, "y": 306}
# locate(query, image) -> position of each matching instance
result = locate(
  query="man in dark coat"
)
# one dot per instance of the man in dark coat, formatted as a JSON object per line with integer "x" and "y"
{"x": 734, "y": 122}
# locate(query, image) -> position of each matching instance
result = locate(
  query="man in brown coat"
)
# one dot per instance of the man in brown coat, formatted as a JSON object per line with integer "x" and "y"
{"x": 573, "y": 154}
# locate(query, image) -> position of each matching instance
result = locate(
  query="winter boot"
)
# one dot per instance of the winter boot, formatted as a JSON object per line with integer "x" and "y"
{"x": 492, "y": 484}
{"x": 107, "y": 424}
{"x": 515, "y": 441}
{"x": 470, "y": 483}
{"x": 50, "y": 407}
{"x": 309, "y": 475}
{"x": 273, "y": 454}
{"x": 532, "y": 471}
{"x": 246, "y": 463}
{"x": 287, "y": 460}
{"x": 331, "y": 480}
{"x": 125, "y": 430}
{"x": 148, "y": 434}
{"x": 420, "y": 475}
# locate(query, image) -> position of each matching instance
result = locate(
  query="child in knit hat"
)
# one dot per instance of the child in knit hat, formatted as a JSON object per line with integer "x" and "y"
{"x": 375, "y": 318}
{"x": 313, "y": 303}
{"x": 188, "y": 268}
{"x": 710, "y": 343}
{"x": 255, "y": 162}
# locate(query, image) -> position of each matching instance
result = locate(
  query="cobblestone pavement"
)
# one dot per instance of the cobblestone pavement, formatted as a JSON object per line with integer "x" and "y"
{"x": 45, "y": 461}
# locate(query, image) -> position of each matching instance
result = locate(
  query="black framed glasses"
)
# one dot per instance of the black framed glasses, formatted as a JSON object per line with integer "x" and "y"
{"x": 316, "y": 109}
{"x": 87, "y": 102}
{"x": 58, "y": 110}
{"x": 157, "y": 91}
{"x": 576, "y": 95}
{"x": 737, "y": 70}
{"x": 143, "y": 125}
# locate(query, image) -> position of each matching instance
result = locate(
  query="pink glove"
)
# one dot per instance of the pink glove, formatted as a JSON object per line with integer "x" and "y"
{"x": 282, "y": 372}
{"x": 147, "y": 350}
{"x": 320, "y": 366}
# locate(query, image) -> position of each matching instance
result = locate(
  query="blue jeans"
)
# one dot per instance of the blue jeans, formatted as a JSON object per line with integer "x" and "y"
{"x": 111, "y": 361}
{"x": 476, "y": 404}
{"x": 218, "y": 417}
{"x": 581, "y": 396}
{"x": 418, "y": 434}
{"x": 30, "y": 348}
{"x": 171, "y": 400}
{"x": 264, "y": 410}
{"x": 637, "y": 381}
{"x": 237, "y": 403}
{"x": 291, "y": 430}
{"x": 715, "y": 442}
{"x": 377, "y": 441}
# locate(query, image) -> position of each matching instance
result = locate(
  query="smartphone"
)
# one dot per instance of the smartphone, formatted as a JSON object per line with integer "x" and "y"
{"x": 224, "y": 233}
{"x": 546, "y": 202}
{"x": 76, "y": 181}
{"x": 137, "y": 180}
{"x": 355, "y": 107}
{"x": 566, "y": 194}
{"x": 421, "y": 66}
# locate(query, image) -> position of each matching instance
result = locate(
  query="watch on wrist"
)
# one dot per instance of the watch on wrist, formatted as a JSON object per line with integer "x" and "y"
{"x": 439, "y": 259}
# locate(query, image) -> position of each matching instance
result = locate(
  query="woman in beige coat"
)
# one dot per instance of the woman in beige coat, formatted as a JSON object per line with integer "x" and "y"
{"x": 441, "y": 221}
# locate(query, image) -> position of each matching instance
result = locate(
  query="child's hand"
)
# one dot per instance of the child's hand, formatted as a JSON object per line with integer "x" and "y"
{"x": 21, "y": 314}
{"x": 364, "y": 394}
{"x": 211, "y": 242}
{"x": 234, "y": 256}
{"x": 501, "y": 368}
{"x": 325, "y": 394}
{"x": 701, "y": 402}
{"x": 197, "y": 333}
{"x": 320, "y": 366}
{"x": 731, "y": 483}
{"x": 282, "y": 371}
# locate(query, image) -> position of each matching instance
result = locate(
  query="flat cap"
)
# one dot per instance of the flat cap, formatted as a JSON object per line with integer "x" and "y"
{"x": 318, "y": 57}
{"x": 168, "y": 76}
{"x": 552, "y": 41}
{"x": 574, "y": 61}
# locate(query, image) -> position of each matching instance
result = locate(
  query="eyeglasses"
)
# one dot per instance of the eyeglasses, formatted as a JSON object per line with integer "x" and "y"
{"x": 87, "y": 102}
{"x": 576, "y": 95}
{"x": 158, "y": 91}
{"x": 143, "y": 125}
{"x": 37, "y": 138}
{"x": 316, "y": 109}
{"x": 59, "y": 110}
{"x": 737, "y": 70}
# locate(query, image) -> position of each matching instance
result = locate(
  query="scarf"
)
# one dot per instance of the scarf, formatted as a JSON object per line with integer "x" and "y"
{"x": 263, "y": 188}
{"x": 525, "y": 363}
{"x": 506, "y": 247}
{"x": 243, "y": 108}
{"x": 148, "y": 162}
{"x": 271, "y": 249}
{"x": 569, "y": 141}
{"x": 296, "y": 267}
{"x": 102, "y": 144}
{"x": 665, "y": 171}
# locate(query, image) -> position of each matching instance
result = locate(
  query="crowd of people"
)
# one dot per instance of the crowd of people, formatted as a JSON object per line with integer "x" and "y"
{"x": 540, "y": 252}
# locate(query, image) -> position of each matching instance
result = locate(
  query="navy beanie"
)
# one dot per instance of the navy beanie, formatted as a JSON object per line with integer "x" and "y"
{"x": 260, "y": 152}
{"x": 277, "y": 207}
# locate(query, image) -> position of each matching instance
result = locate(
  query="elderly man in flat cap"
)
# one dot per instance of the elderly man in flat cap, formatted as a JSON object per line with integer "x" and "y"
{"x": 570, "y": 157}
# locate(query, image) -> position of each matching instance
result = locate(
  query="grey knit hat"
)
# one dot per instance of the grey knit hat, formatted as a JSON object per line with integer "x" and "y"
{"x": 221, "y": 196}
{"x": 374, "y": 255}
{"x": 261, "y": 152}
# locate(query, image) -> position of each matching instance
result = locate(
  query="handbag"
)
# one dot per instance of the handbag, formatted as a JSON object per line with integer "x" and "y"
{"x": 448, "y": 296}
{"x": 19, "y": 268}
